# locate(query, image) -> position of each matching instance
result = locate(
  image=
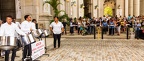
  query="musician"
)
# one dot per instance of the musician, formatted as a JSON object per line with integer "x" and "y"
{"x": 1, "y": 50}
{"x": 17, "y": 23}
{"x": 27, "y": 26}
{"x": 9, "y": 29}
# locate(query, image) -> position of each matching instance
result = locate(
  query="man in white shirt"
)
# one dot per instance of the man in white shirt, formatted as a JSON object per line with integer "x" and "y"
{"x": 9, "y": 29}
{"x": 17, "y": 23}
{"x": 57, "y": 28}
{"x": 27, "y": 27}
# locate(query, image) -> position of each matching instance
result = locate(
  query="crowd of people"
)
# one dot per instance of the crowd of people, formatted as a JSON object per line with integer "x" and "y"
{"x": 83, "y": 26}
{"x": 110, "y": 25}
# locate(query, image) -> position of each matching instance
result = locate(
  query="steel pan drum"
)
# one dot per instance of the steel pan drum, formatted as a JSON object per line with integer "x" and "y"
{"x": 46, "y": 32}
{"x": 7, "y": 42}
{"x": 37, "y": 33}
{"x": 28, "y": 39}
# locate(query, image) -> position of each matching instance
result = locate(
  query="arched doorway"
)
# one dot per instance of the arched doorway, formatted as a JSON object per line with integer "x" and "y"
{"x": 7, "y": 7}
{"x": 87, "y": 8}
{"x": 109, "y": 8}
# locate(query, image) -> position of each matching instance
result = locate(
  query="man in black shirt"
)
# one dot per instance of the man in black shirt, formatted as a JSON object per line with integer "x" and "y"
{"x": 64, "y": 24}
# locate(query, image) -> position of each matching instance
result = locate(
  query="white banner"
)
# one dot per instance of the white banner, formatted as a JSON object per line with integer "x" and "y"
{"x": 38, "y": 49}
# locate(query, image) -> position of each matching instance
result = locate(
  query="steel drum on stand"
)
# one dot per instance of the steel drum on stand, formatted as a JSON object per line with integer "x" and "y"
{"x": 37, "y": 33}
{"x": 46, "y": 32}
{"x": 7, "y": 42}
{"x": 28, "y": 39}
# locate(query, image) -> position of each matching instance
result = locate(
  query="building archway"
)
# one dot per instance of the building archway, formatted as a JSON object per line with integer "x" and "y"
{"x": 87, "y": 8}
{"x": 7, "y": 7}
{"x": 109, "y": 8}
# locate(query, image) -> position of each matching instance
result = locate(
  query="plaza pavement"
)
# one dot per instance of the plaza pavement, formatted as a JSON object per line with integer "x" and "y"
{"x": 85, "y": 48}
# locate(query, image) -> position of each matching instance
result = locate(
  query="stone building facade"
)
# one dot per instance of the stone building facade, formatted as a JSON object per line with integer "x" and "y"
{"x": 74, "y": 8}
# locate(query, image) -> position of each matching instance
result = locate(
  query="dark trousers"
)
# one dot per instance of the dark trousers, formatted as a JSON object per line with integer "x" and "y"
{"x": 71, "y": 30}
{"x": 105, "y": 29}
{"x": 65, "y": 30}
{"x": 111, "y": 31}
{"x": 78, "y": 30}
{"x": 27, "y": 51}
{"x": 91, "y": 29}
{"x": 137, "y": 34}
{"x": 7, "y": 52}
{"x": 56, "y": 36}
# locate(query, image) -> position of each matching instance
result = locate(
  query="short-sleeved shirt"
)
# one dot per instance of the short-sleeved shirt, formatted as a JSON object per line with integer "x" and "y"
{"x": 26, "y": 26}
{"x": 57, "y": 28}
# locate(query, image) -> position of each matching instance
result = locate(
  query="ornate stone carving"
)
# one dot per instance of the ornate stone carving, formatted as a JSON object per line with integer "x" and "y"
{"x": 46, "y": 8}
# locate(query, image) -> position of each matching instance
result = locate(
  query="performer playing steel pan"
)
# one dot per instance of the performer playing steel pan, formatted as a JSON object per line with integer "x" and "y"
{"x": 9, "y": 29}
{"x": 27, "y": 26}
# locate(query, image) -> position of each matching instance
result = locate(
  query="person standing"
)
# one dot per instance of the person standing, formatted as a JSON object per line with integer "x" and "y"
{"x": 27, "y": 27}
{"x": 105, "y": 26}
{"x": 9, "y": 29}
{"x": 17, "y": 23}
{"x": 35, "y": 22}
{"x": 72, "y": 27}
{"x": 111, "y": 27}
{"x": 57, "y": 28}
{"x": 118, "y": 26}
{"x": 18, "y": 37}
{"x": 64, "y": 24}
{"x": 138, "y": 28}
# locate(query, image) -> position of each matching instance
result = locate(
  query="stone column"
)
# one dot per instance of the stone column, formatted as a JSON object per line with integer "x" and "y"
{"x": 100, "y": 8}
{"x": 120, "y": 7}
{"x": 74, "y": 7}
{"x": 141, "y": 7}
{"x": 136, "y": 7}
{"x": 94, "y": 12}
{"x": 126, "y": 7}
{"x": 131, "y": 7}
{"x": 30, "y": 7}
{"x": 67, "y": 7}
{"x": 81, "y": 9}
{"x": 18, "y": 9}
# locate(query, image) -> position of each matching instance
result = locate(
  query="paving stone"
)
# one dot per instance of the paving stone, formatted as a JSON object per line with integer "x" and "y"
{"x": 74, "y": 49}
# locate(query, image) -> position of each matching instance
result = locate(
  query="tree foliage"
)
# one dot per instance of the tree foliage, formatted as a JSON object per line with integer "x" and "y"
{"x": 54, "y": 4}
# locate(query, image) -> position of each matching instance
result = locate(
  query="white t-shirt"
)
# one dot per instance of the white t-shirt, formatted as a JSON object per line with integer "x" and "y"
{"x": 26, "y": 26}
{"x": 18, "y": 24}
{"x": 57, "y": 28}
{"x": 10, "y": 30}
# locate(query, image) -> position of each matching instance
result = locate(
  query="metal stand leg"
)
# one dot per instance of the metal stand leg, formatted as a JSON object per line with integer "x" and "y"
{"x": 127, "y": 33}
{"x": 102, "y": 33}
{"x": 94, "y": 33}
{"x": 46, "y": 48}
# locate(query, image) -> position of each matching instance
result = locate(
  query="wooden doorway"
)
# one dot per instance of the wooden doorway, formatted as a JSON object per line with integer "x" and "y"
{"x": 7, "y": 7}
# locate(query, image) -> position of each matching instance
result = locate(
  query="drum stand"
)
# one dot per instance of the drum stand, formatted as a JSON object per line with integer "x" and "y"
{"x": 46, "y": 46}
{"x": 40, "y": 38}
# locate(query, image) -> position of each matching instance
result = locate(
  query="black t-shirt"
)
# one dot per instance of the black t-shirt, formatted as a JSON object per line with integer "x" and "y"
{"x": 64, "y": 24}
{"x": 130, "y": 24}
{"x": 118, "y": 23}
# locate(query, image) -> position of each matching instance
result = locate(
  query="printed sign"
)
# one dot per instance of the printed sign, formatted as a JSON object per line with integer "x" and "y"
{"x": 38, "y": 49}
